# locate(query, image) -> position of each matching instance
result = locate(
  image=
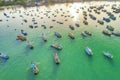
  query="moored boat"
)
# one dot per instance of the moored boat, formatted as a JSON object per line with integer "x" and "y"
{"x": 22, "y": 38}
{"x": 88, "y": 33}
{"x": 34, "y": 68}
{"x": 4, "y": 56}
{"x": 23, "y": 32}
{"x": 71, "y": 35}
{"x": 85, "y": 22}
{"x": 106, "y": 32}
{"x": 71, "y": 27}
{"x": 116, "y": 33}
{"x": 88, "y": 51}
{"x": 30, "y": 45}
{"x": 44, "y": 37}
{"x": 84, "y": 34}
{"x": 100, "y": 22}
{"x": 106, "y": 19}
{"x": 110, "y": 28}
{"x": 113, "y": 17}
{"x": 56, "y": 58}
{"x": 58, "y": 35}
{"x": 107, "y": 55}
{"x": 76, "y": 24}
{"x": 56, "y": 45}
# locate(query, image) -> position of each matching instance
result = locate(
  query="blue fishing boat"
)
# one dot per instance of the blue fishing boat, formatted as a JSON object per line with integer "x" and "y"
{"x": 4, "y": 56}
{"x": 112, "y": 17}
{"x": 34, "y": 68}
{"x": 58, "y": 35}
{"x": 5, "y": 14}
{"x": 56, "y": 45}
{"x": 106, "y": 19}
{"x": 88, "y": 51}
{"x": 107, "y": 55}
{"x": 23, "y": 32}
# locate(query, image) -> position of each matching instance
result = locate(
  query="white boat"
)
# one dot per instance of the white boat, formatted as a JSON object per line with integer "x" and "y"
{"x": 88, "y": 51}
{"x": 4, "y": 56}
{"x": 107, "y": 55}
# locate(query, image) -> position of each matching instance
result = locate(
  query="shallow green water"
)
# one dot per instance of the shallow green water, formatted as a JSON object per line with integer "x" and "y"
{"x": 75, "y": 63}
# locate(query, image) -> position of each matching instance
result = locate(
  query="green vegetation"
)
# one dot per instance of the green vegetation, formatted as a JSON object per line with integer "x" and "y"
{"x": 31, "y": 2}
{"x": 25, "y": 2}
{"x": 14, "y": 2}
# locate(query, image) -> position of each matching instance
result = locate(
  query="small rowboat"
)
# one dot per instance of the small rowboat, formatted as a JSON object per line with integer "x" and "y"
{"x": 57, "y": 60}
{"x": 34, "y": 68}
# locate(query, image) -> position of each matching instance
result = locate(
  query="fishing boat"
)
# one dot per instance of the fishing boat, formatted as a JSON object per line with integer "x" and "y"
{"x": 56, "y": 58}
{"x": 25, "y": 20}
{"x": 84, "y": 34}
{"x": 85, "y": 22}
{"x": 56, "y": 46}
{"x": 58, "y": 35}
{"x": 106, "y": 19}
{"x": 106, "y": 32}
{"x": 116, "y": 33}
{"x": 77, "y": 24}
{"x": 113, "y": 17}
{"x": 85, "y": 17}
{"x": 107, "y": 55}
{"x": 110, "y": 28}
{"x": 44, "y": 37}
{"x": 71, "y": 27}
{"x": 23, "y": 32}
{"x": 88, "y": 33}
{"x": 92, "y": 17}
{"x": 88, "y": 51}
{"x": 34, "y": 68}
{"x": 4, "y": 56}
{"x": 22, "y": 38}
{"x": 30, "y": 45}
{"x": 44, "y": 26}
{"x": 100, "y": 22}
{"x": 71, "y": 35}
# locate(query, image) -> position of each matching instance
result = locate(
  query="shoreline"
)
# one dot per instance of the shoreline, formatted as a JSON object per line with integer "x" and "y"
{"x": 53, "y": 3}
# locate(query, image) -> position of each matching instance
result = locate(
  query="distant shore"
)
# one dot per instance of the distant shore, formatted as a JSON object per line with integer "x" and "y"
{"x": 20, "y": 4}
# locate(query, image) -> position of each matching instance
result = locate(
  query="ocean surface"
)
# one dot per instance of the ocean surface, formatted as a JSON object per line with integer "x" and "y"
{"x": 75, "y": 64}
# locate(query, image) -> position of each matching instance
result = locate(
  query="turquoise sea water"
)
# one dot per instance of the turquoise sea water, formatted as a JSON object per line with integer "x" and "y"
{"x": 75, "y": 63}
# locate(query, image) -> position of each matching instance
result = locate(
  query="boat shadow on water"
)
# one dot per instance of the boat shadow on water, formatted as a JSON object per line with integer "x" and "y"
{"x": 42, "y": 43}
{"x": 31, "y": 76}
{"x": 55, "y": 68}
{"x": 3, "y": 60}
{"x": 109, "y": 60}
{"x": 89, "y": 57}
{"x": 27, "y": 50}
